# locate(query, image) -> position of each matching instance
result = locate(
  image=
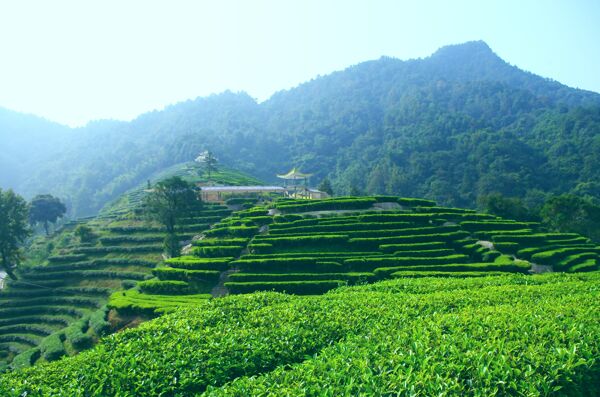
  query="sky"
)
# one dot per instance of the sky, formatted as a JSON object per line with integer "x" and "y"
{"x": 77, "y": 61}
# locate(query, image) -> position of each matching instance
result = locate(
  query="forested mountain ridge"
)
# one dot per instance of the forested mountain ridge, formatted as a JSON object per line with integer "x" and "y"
{"x": 454, "y": 126}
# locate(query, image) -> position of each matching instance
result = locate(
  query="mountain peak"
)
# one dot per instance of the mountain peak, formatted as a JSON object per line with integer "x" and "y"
{"x": 469, "y": 49}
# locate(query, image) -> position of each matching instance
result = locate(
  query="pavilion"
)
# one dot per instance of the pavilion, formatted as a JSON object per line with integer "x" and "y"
{"x": 295, "y": 185}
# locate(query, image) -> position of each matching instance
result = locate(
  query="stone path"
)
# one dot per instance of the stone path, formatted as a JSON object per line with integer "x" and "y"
{"x": 2, "y": 277}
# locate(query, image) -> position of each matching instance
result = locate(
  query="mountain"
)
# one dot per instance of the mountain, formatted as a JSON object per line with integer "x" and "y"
{"x": 452, "y": 127}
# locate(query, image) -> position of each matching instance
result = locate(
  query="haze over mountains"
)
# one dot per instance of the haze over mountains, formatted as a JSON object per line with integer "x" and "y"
{"x": 451, "y": 127}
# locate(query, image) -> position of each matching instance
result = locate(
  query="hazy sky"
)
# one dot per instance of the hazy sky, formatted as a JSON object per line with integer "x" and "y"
{"x": 75, "y": 61}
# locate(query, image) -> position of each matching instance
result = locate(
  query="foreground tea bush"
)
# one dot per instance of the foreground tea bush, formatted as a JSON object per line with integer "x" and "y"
{"x": 505, "y": 335}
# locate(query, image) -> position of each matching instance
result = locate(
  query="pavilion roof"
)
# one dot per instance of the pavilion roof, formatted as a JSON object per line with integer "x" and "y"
{"x": 294, "y": 174}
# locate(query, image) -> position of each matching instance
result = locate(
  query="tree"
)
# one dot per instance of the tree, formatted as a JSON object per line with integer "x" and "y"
{"x": 507, "y": 207}
{"x": 325, "y": 186}
{"x": 169, "y": 201}
{"x": 13, "y": 230}
{"x": 570, "y": 213}
{"x": 208, "y": 159}
{"x": 44, "y": 209}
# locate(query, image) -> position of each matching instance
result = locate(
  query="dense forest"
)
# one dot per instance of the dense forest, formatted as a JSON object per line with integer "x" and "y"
{"x": 454, "y": 127}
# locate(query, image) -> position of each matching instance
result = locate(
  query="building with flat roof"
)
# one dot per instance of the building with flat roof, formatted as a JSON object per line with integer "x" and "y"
{"x": 221, "y": 193}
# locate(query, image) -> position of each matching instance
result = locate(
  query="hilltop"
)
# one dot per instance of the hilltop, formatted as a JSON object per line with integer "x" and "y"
{"x": 451, "y": 127}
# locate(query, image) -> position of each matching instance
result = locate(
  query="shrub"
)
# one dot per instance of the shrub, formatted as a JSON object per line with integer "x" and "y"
{"x": 135, "y": 303}
{"x": 425, "y": 253}
{"x": 52, "y": 347}
{"x": 241, "y": 200}
{"x": 210, "y": 242}
{"x": 84, "y": 233}
{"x": 287, "y": 218}
{"x": 298, "y": 241}
{"x": 169, "y": 273}
{"x": 200, "y": 220}
{"x": 286, "y": 265}
{"x": 588, "y": 265}
{"x": 253, "y": 212}
{"x": 194, "y": 263}
{"x": 554, "y": 256}
{"x": 443, "y": 210}
{"x": 291, "y": 287}
{"x": 260, "y": 248}
{"x": 534, "y": 239}
{"x": 136, "y": 229}
{"x": 126, "y": 284}
{"x": 236, "y": 231}
{"x": 26, "y": 358}
{"x": 368, "y": 264}
{"x": 169, "y": 287}
{"x": 475, "y": 226}
{"x": 488, "y": 235}
{"x": 326, "y": 205}
{"x": 120, "y": 249}
{"x": 87, "y": 274}
{"x": 414, "y": 202}
{"x": 391, "y": 248}
{"x": 217, "y": 251}
{"x": 373, "y": 243}
{"x": 112, "y": 240}
{"x": 352, "y": 278}
{"x": 397, "y": 217}
{"x": 506, "y": 246}
{"x": 513, "y": 267}
{"x": 66, "y": 258}
{"x": 98, "y": 322}
{"x": 419, "y": 274}
{"x": 492, "y": 255}
{"x": 193, "y": 228}
{"x": 573, "y": 260}
{"x": 296, "y": 223}
{"x": 76, "y": 334}
{"x": 376, "y": 226}
{"x": 260, "y": 220}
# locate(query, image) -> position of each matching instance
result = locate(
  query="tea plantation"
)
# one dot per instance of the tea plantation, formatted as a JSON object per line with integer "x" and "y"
{"x": 419, "y": 300}
{"x": 498, "y": 335}
{"x": 59, "y": 306}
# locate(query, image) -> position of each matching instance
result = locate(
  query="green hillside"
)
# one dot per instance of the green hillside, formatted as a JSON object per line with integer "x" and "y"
{"x": 416, "y": 297}
{"x": 499, "y": 335}
{"x": 452, "y": 127}
{"x": 58, "y": 306}
{"x": 312, "y": 246}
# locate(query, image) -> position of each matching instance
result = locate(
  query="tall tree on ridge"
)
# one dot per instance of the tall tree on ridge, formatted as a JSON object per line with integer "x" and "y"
{"x": 171, "y": 200}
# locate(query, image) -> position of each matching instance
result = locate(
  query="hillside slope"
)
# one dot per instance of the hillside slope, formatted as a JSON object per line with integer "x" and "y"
{"x": 58, "y": 306}
{"x": 436, "y": 257}
{"x": 488, "y": 336}
{"x": 312, "y": 246}
{"x": 451, "y": 127}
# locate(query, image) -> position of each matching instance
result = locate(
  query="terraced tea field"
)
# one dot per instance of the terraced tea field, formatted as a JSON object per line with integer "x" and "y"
{"x": 310, "y": 247}
{"x": 59, "y": 307}
{"x": 302, "y": 247}
{"x": 499, "y": 335}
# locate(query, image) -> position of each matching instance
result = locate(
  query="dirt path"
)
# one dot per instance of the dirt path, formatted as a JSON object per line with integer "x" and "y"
{"x": 219, "y": 289}
{"x": 486, "y": 244}
{"x": 535, "y": 268}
